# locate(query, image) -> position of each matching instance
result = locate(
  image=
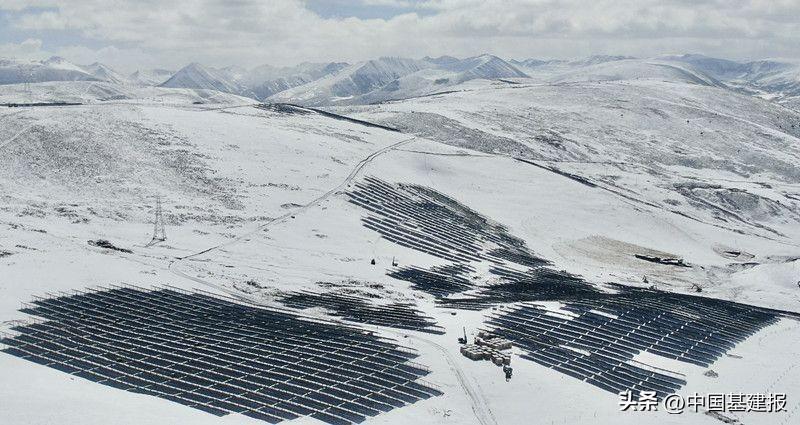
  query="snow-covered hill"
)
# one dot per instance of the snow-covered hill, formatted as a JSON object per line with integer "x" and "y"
{"x": 150, "y": 77}
{"x": 267, "y": 80}
{"x": 100, "y": 91}
{"x": 545, "y": 69}
{"x": 352, "y": 81}
{"x": 53, "y": 69}
{"x": 722, "y": 158}
{"x": 104, "y": 73}
{"x": 483, "y": 66}
{"x": 56, "y": 69}
{"x": 196, "y": 76}
{"x": 634, "y": 69}
{"x": 773, "y": 79}
{"x": 393, "y": 78}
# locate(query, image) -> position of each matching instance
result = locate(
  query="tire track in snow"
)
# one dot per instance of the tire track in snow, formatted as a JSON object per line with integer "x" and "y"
{"x": 14, "y": 137}
{"x": 280, "y": 219}
{"x": 479, "y": 404}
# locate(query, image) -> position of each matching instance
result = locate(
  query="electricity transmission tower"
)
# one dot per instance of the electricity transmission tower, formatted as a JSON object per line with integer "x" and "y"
{"x": 27, "y": 78}
{"x": 159, "y": 233}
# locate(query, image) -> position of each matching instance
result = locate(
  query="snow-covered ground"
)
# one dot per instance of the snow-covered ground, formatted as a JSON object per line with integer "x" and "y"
{"x": 257, "y": 204}
{"x": 98, "y": 91}
{"x": 705, "y": 154}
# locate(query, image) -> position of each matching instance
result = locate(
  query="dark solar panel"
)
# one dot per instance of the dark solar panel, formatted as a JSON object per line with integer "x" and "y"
{"x": 598, "y": 340}
{"x": 604, "y": 331}
{"x": 423, "y": 219}
{"x": 358, "y": 309}
{"x": 220, "y": 356}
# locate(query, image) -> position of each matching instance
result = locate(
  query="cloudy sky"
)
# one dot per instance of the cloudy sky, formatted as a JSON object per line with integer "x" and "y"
{"x": 136, "y": 34}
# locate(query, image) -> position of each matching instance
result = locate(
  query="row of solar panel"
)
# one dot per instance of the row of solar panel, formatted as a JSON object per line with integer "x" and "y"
{"x": 414, "y": 240}
{"x": 408, "y": 210}
{"x": 221, "y": 356}
{"x": 356, "y": 309}
{"x": 248, "y": 360}
{"x": 618, "y": 339}
{"x": 658, "y": 331}
{"x": 438, "y": 284}
{"x": 428, "y": 221}
{"x": 596, "y": 337}
{"x": 420, "y": 199}
{"x": 411, "y": 204}
{"x": 116, "y": 310}
{"x": 237, "y": 331}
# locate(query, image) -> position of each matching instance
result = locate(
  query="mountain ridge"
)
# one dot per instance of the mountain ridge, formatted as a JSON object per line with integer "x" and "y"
{"x": 393, "y": 78}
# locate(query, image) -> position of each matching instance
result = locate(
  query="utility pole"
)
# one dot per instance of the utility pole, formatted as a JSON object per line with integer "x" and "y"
{"x": 28, "y": 85}
{"x": 159, "y": 232}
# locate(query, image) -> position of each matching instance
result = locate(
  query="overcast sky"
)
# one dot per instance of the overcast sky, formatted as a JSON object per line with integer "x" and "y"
{"x": 135, "y": 34}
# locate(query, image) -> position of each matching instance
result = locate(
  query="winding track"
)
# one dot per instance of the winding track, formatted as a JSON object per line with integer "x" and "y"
{"x": 280, "y": 219}
{"x": 479, "y": 404}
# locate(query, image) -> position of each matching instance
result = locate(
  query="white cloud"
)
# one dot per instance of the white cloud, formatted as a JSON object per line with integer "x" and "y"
{"x": 16, "y": 5}
{"x": 47, "y": 20}
{"x": 390, "y": 3}
{"x": 124, "y": 60}
{"x": 30, "y": 49}
{"x": 251, "y": 32}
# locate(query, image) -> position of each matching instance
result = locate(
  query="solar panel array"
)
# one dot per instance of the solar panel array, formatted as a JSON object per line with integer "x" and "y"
{"x": 221, "y": 356}
{"x": 595, "y": 337}
{"x": 580, "y": 341}
{"x": 358, "y": 309}
{"x": 541, "y": 284}
{"x": 423, "y": 219}
{"x": 437, "y": 281}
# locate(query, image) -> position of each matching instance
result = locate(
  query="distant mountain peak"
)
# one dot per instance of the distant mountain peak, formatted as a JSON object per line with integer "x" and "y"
{"x": 54, "y": 68}
{"x": 197, "y": 76}
{"x": 598, "y": 59}
{"x": 150, "y": 77}
{"x": 389, "y": 78}
{"x": 55, "y": 59}
{"x": 441, "y": 60}
{"x": 105, "y": 73}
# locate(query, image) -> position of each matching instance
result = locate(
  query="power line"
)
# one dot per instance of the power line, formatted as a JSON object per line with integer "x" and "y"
{"x": 159, "y": 232}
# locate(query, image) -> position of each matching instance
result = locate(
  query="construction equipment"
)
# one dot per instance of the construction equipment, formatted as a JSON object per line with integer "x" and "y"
{"x": 477, "y": 352}
{"x": 492, "y": 341}
{"x": 463, "y": 340}
{"x": 508, "y": 370}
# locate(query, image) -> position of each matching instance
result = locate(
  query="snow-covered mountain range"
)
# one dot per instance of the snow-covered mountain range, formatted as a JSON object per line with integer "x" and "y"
{"x": 267, "y": 80}
{"x": 780, "y": 79}
{"x": 394, "y": 78}
{"x": 53, "y": 69}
